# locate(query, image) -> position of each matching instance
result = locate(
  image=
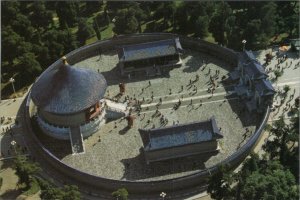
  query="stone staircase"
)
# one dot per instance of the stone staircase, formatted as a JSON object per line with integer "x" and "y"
{"x": 115, "y": 110}
{"x": 76, "y": 140}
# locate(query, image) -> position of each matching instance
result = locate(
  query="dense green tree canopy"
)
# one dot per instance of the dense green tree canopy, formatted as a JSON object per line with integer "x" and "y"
{"x": 25, "y": 169}
{"x": 125, "y": 22}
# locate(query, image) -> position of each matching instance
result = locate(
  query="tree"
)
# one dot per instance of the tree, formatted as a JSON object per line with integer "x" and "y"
{"x": 25, "y": 170}
{"x": 49, "y": 191}
{"x": 92, "y": 6}
{"x": 84, "y": 32}
{"x": 97, "y": 30}
{"x": 218, "y": 21}
{"x": 9, "y": 11}
{"x": 257, "y": 179}
{"x": 270, "y": 181}
{"x": 71, "y": 192}
{"x": 67, "y": 12}
{"x": 22, "y": 26}
{"x": 125, "y": 22}
{"x": 10, "y": 42}
{"x": 219, "y": 183}
{"x": 40, "y": 17}
{"x": 268, "y": 19}
{"x": 28, "y": 66}
{"x": 139, "y": 15}
{"x": 102, "y": 20}
{"x": 201, "y": 26}
{"x": 181, "y": 17}
{"x": 121, "y": 194}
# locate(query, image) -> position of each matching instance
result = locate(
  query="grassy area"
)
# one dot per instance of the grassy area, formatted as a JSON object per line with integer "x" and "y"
{"x": 108, "y": 33}
{"x": 210, "y": 38}
{"x": 91, "y": 40}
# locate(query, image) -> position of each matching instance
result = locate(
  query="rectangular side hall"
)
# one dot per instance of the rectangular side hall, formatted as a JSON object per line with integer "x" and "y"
{"x": 149, "y": 57}
{"x": 180, "y": 140}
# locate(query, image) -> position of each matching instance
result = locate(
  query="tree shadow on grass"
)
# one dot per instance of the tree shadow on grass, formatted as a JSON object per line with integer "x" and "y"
{"x": 11, "y": 194}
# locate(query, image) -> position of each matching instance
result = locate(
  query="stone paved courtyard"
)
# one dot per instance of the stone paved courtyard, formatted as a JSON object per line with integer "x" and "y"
{"x": 116, "y": 152}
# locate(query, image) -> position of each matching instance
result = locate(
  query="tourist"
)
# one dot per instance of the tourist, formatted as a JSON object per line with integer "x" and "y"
{"x": 182, "y": 88}
{"x": 149, "y": 83}
{"x": 160, "y": 100}
{"x": 170, "y": 91}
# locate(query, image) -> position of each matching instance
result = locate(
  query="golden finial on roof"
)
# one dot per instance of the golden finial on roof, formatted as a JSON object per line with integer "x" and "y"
{"x": 64, "y": 59}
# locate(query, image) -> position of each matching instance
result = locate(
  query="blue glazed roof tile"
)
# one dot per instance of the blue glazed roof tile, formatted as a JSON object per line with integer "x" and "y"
{"x": 64, "y": 89}
{"x": 179, "y": 135}
{"x": 149, "y": 50}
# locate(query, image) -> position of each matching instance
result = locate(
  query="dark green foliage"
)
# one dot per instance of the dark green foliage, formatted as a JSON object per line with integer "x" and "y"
{"x": 92, "y": 6}
{"x": 40, "y": 17}
{"x": 67, "y": 12}
{"x": 49, "y": 191}
{"x": 284, "y": 145}
{"x": 10, "y": 42}
{"x": 102, "y": 20}
{"x": 25, "y": 170}
{"x": 28, "y": 65}
{"x": 219, "y": 183}
{"x": 126, "y": 22}
{"x": 258, "y": 179}
{"x": 201, "y": 26}
{"x": 9, "y": 11}
{"x": 218, "y": 21}
{"x": 23, "y": 26}
{"x": 181, "y": 18}
{"x": 269, "y": 181}
{"x": 97, "y": 30}
{"x": 121, "y": 194}
{"x": 85, "y": 31}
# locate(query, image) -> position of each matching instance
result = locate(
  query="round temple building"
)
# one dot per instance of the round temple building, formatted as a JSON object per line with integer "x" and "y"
{"x": 69, "y": 102}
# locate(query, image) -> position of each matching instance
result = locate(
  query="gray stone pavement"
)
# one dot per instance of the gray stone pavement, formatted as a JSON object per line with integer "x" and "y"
{"x": 116, "y": 152}
{"x": 290, "y": 77}
{"x": 9, "y": 131}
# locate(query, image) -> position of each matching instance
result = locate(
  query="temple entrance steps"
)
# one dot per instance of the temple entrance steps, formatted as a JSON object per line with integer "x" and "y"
{"x": 115, "y": 110}
{"x": 76, "y": 140}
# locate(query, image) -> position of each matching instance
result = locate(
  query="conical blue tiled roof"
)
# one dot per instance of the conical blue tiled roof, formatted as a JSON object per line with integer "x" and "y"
{"x": 64, "y": 89}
